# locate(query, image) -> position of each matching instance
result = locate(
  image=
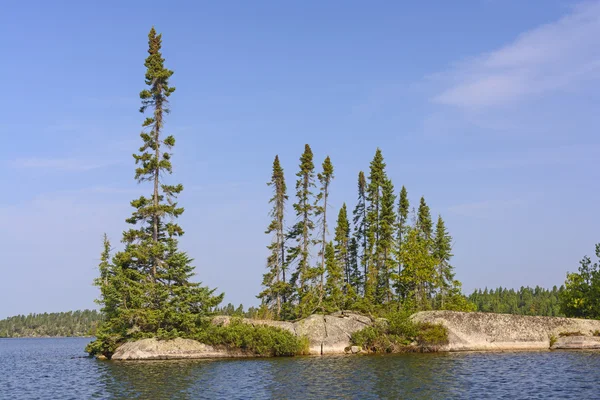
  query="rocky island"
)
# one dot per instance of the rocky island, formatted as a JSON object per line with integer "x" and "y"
{"x": 331, "y": 334}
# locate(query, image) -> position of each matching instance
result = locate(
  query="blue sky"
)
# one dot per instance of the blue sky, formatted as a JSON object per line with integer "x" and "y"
{"x": 487, "y": 108}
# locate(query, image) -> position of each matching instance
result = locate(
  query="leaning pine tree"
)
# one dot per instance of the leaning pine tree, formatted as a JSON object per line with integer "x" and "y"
{"x": 146, "y": 289}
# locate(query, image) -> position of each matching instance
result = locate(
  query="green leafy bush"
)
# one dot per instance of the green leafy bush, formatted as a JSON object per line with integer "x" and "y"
{"x": 399, "y": 334}
{"x": 432, "y": 335}
{"x": 260, "y": 340}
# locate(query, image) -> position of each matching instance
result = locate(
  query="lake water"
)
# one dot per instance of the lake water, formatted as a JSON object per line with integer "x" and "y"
{"x": 53, "y": 369}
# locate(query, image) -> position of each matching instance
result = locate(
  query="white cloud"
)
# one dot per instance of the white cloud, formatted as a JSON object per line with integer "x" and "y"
{"x": 556, "y": 56}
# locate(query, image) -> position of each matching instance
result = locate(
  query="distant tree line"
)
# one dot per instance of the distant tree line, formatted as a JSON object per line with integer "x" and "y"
{"x": 231, "y": 310}
{"x": 524, "y": 301}
{"x": 71, "y": 323}
{"x": 383, "y": 256}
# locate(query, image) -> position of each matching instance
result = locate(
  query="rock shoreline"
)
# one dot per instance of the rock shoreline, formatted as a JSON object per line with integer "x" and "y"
{"x": 330, "y": 334}
{"x": 498, "y": 332}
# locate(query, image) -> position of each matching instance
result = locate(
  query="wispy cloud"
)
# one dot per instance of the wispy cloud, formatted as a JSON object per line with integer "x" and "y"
{"x": 60, "y": 164}
{"x": 555, "y": 56}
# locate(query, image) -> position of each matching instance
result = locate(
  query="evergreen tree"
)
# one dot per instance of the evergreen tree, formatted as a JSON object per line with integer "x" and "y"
{"x": 325, "y": 178}
{"x": 385, "y": 245}
{"x": 355, "y": 275}
{"x": 151, "y": 273}
{"x": 334, "y": 300}
{"x": 274, "y": 280}
{"x": 418, "y": 273}
{"x": 403, "y": 209}
{"x": 342, "y": 242}
{"x": 424, "y": 222}
{"x": 442, "y": 252}
{"x": 110, "y": 283}
{"x": 360, "y": 227}
{"x": 377, "y": 179}
{"x": 302, "y": 234}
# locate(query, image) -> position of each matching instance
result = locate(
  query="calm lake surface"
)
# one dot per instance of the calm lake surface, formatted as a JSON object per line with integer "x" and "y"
{"x": 53, "y": 369}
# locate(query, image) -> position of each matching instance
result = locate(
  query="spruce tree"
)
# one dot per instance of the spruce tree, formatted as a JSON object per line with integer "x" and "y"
{"x": 360, "y": 228}
{"x": 442, "y": 252}
{"x": 110, "y": 283}
{"x": 403, "y": 209}
{"x": 302, "y": 233}
{"x": 274, "y": 279}
{"x": 419, "y": 270}
{"x": 334, "y": 294}
{"x": 356, "y": 276}
{"x": 342, "y": 242}
{"x": 385, "y": 245}
{"x": 153, "y": 275}
{"x": 424, "y": 223}
{"x": 325, "y": 178}
{"x": 377, "y": 179}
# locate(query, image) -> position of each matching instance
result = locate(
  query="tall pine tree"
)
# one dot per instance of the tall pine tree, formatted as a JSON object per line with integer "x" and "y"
{"x": 151, "y": 272}
{"x": 325, "y": 177}
{"x": 274, "y": 280}
{"x": 377, "y": 179}
{"x": 403, "y": 209}
{"x": 302, "y": 233}
{"x": 424, "y": 222}
{"x": 342, "y": 242}
{"x": 442, "y": 252}
{"x": 360, "y": 227}
{"x": 418, "y": 272}
{"x": 385, "y": 245}
{"x": 334, "y": 294}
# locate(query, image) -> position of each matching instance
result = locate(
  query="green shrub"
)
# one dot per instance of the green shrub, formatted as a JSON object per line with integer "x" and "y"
{"x": 432, "y": 335}
{"x": 104, "y": 345}
{"x": 596, "y": 333}
{"x": 260, "y": 340}
{"x": 399, "y": 334}
{"x": 553, "y": 340}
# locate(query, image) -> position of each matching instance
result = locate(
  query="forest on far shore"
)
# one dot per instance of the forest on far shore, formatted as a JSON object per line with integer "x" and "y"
{"x": 70, "y": 323}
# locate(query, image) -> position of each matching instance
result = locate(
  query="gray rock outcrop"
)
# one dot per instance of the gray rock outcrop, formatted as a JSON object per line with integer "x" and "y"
{"x": 153, "y": 349}
{"x": 577, "y": 343}
{"x": 330, "y": 334}
{"x": 489, "y": 332}
{"x": 327, "y": 334}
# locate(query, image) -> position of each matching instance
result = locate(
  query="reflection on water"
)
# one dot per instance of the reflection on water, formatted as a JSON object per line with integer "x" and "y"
{"x": 53, "y": 369}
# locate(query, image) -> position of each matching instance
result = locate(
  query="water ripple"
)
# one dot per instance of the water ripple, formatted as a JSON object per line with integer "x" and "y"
{"x": 54, "y": 369}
